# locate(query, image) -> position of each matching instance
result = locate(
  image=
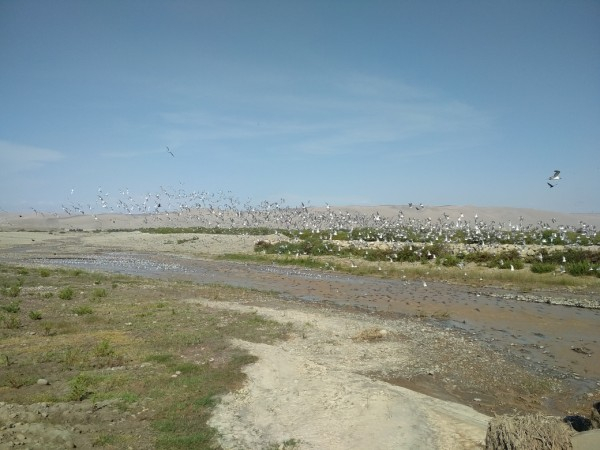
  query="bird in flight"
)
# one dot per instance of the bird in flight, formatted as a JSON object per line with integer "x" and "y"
{"x": 170, "y": 152}
{"x": 556, "y": 175}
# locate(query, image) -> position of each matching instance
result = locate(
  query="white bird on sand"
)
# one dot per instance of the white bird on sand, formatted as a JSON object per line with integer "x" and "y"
{"x": 556, "y": 175}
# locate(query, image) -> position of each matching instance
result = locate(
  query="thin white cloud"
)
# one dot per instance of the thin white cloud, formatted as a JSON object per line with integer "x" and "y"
{"x": 126, "y": 154}
{"x": 334, "y": 115}
{"x": 18, "y": 157}
{"x": 369, "y": 86}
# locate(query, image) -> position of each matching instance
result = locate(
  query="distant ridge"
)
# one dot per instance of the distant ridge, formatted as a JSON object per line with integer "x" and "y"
{"x": 499, "y": 216}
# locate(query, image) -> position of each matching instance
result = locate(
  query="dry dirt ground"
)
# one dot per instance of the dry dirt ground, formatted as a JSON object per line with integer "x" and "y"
{"x": 323, "y": 388}
{"x": 334, "y": 384}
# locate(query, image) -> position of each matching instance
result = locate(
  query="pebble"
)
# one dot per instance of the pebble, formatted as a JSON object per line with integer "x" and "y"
{"x": 43, "y": 381}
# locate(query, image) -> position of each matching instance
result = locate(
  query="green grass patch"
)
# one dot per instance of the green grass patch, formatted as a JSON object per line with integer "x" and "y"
{"x": 173, "y": 361}
{"x": 99, "y": 293}
{"x": 83, "y": 310}
{"x": 12, "y": 307}
{"x": 35, "y": 315}
{"x": 541, "y": 267}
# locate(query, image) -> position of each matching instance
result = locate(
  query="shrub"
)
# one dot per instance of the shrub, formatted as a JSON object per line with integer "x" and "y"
{"x": 66, "y": 293}
{"x": 44, "y": 273}
{"x": 517, "y": 264}
{"x": 450, "y": 261}
{"x": 106, "y": 356}
{"x": 81, "y": 310}
{"x": 541, "y": 267}
{"x": 104, "y": 349}
{"x": 35, "y": 315}
{"x": 80, "y": 388}
{"x": 12, "y": 322}
{"x": 99, "y": 293}
{"x": 12, "y": 291}
{"x": 579, "y": 268}
{"x": 479, "y": 257}
{"x": 12, "y": 307}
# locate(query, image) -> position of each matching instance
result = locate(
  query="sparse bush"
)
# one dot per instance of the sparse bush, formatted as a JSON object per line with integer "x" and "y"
{"x": 104, "y": 349}
{"x": 12, "y": 322}
{"x": 579, "y": 268}
{"x": 80, "y": 388}
{"x": 13, "y": 291}
{"x": 99, "y": 293}
{"x": 44, "y": 273}
{"x": 450, "y": 261}
{"x": 518, "y": 264}
{"x": 66, "y": 293}
{"x": 35, "y": 315}
{"x": 12, "y": 307}
{"x": 82, "y": 310}
{"x": 106, "y": 356}
{"x": 479, "y": 257}
{"x": 541, "y": 267}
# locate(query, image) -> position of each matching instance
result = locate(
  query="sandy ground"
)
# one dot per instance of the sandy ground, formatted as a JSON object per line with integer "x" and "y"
{"x": 315, "y": 389}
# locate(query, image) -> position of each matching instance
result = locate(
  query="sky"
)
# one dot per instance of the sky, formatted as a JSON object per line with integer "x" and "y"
{"x": 344, "y": 102}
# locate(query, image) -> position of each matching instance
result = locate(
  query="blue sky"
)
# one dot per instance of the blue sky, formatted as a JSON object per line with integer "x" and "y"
{"x": 340, "y": 102}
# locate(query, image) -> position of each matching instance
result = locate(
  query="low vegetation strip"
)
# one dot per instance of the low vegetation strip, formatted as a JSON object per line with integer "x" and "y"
{"x": 116, "y": 361}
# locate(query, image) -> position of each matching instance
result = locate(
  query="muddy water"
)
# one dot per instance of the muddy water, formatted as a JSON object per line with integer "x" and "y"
{"x": 546, "y": 336}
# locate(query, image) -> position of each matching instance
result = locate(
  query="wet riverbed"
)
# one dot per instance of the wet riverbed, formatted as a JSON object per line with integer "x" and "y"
{"x": 547, "y": 337}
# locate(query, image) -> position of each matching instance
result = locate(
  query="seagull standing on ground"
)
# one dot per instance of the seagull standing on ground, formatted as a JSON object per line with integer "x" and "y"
{"x": 170, "y": 152}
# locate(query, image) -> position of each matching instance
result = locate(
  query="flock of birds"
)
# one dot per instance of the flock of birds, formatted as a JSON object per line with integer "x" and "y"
{"x": 178, "y": 208}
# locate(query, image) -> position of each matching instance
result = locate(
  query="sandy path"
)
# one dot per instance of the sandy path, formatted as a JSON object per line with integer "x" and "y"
{"x": 315, "y": 390}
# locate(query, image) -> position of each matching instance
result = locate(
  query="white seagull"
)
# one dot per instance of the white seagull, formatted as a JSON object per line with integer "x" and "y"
{"x": 556, "y": 175}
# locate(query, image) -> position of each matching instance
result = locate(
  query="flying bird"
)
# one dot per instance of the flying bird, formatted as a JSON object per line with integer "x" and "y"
{"x": 556, "y": 175}
{"x": 551, "y": 185}
{"x": 170, "y": 152}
